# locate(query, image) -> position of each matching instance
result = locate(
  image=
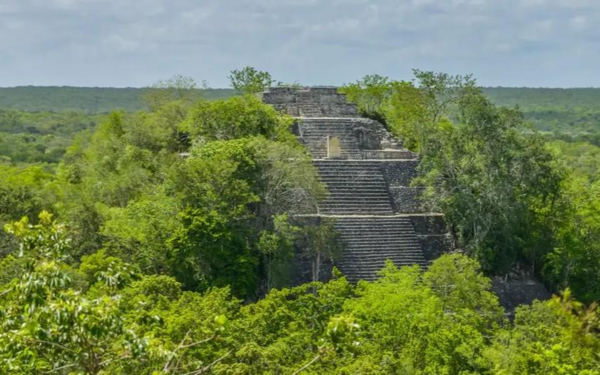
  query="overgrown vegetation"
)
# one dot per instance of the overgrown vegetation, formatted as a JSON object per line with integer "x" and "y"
{"x": 508, "y": 197}
{"x": 175, "y": 229}
{"x": 105, "y": 317}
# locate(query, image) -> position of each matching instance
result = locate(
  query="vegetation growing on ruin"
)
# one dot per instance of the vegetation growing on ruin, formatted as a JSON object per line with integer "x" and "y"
{"x": 161, "y": 242}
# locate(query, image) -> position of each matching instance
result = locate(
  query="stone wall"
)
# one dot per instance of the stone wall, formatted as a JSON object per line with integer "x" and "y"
{"x": 432, "y": 233}
{"x": 309, "y": 102}
{"x": 518, "y": 290}
{"x": 398, "y": 176}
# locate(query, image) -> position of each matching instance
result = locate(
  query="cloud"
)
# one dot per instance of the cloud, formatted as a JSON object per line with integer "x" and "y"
{"x": 136, "y": 42}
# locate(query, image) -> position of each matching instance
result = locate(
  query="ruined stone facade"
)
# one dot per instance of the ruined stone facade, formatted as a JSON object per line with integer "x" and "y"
{"x": 368, "y": 175}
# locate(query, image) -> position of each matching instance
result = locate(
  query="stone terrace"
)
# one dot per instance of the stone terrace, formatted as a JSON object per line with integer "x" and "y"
{"x": 368, "y": 175}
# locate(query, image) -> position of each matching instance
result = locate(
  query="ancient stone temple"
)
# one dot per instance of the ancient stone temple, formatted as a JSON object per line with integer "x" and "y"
{"x": 368, "y": 175}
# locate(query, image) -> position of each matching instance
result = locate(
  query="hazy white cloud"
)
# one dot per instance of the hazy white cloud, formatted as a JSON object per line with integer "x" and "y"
{"x": 578, "y": 22}
{"x": 136, "y": 42}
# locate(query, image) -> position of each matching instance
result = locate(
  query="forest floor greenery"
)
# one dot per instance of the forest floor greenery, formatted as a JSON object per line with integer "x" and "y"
{"x": 120, "y": 256}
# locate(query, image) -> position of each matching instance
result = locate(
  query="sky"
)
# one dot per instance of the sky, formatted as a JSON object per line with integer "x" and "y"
{"x": 134, "y": 43}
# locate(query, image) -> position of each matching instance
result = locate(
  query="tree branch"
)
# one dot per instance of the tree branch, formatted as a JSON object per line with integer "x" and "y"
{"x": 166, "y": 367}
{"x": 307, "y": 365}
{"x": 206, "y": 368}
{"x": 60, "y": 368}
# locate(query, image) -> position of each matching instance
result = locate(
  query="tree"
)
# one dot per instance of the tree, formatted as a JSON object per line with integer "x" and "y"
{"x": 574, "y": 262}
{"x": 494, "y": 181}
{"x": 48, "y": 326}
{"x": 551, "y": 337}
{"x": 237, "y": 117}
{"x": 24, "y": 191}
{"x": 249, "y": 80}
{"x": 370, "y": 94}
{"x": 178, "y": 88}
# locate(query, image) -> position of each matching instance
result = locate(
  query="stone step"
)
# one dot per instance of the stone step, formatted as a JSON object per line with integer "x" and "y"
{"x": 339, "y": 182}
{"x": 370, "y": 236}
{"x": 371, "y": 265}
{"x": 347, "y": 188}
{"x": 372, "y": 231}
{"x": 368, "y": 223}
{"x": 350, "y": 172}
{"x": 358, "y": 208}
{"x": 381, "y": 254}
{"x": 377, "y": 264}
{"x": 370, "y": 241}
{"x": 364, "y": 197}
{"x": 352, "y": 193}
{"x": 345, "y": 163}
{"x": 349, "y": 168}
{"x": 333, "y": 201}
{"x": 379, "y": 242}
{"x": 342, "y": 172}
{"x": 355, "y": 211}
{"x": 358, "y": 178}
{"x": 342, "y": 204}
{"x": 316, "y": 135}
{"x": 346, "y": 191}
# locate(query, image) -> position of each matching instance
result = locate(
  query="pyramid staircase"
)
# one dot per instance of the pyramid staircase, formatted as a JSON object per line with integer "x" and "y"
{"x": 370, "y": 241}
{"x": 360, "y": 198}
{"x": 316, "y": 131}
{"x": 355, "y": 187}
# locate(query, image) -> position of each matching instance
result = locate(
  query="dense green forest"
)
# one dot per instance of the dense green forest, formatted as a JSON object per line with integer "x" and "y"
{"x": 89, "y": 100}
{"x": 119, "y": 256}
{"x": 568, "y": 113}
{"x": 38, "y": 123}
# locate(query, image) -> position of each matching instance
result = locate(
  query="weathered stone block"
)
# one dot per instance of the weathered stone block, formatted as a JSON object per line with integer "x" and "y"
{"x": 428, "y": 224}
{"x": 434, "y": 246}
{"x": 405, "y": 199}
{"x": 400, "y": 173}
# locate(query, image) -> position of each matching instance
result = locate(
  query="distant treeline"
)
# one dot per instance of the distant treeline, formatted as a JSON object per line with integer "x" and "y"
{"x": 567, "y": 114}
{"x": 570, "y": 114}
{"x": 91, "y": 100}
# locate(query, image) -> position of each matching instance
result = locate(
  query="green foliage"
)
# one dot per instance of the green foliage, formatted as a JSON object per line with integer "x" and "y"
{"x": 178, "y": 88}
{"x": 24, "y": 192}
{"x": 494, "y": 181}
{"x": 172, "y": 214}
{"x": 40, "y": 137}
{"x": 237, "y": 117}
{"x": 249, "y": 80}
{"x": 46, "y": 325}
{"x": 559, "y": 336}
{"x": 481, "y": 165}
{"x": 139, "y": 232}
{"x": 443, "y": 321}
{"x": 198, "y": 218}
{"x": 370, "y": 93}
{"x": 575, "y": 259}
{"x": 234, "y": 190}
{"x": 276, "y": 248}
{"x": 569, "y": 114}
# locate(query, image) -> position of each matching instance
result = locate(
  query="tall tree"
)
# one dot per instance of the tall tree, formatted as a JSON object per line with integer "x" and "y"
{"x": 249, "y": 80}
